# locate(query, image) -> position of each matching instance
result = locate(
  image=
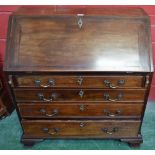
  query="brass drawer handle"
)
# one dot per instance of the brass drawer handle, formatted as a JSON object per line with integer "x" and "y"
{"x": 106, "y": 130}
{"x": 53, "y": 132}
{"x": 51, "y": 82}
{"x": 41, "y": 97}
{"x": 55, "y": 112}
{"x": 107, "y": 97}
{"x": 108, "y": 113}
{"x": 110, "y": 85}
{"x": 79, "y": 80}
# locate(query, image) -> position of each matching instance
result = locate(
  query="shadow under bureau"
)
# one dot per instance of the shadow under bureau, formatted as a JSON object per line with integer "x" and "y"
{"x": 79, "y": 73}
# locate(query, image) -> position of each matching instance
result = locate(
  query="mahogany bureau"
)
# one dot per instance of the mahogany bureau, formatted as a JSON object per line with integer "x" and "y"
{"x": 79, "y": 73}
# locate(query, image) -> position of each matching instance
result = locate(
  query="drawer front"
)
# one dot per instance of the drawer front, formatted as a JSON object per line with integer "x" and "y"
{"x": 80, "y": 81}
{"x": 44, "y": 110}
{"x": 30, "y": 95}
{"x": 72, "y": 128}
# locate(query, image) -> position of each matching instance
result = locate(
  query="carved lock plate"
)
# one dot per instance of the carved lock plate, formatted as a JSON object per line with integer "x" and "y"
{"x": 79, "y": 80}
{"x": 82, "y": 107}
{"x": 81, "y": 93}
{"x": 80, "y": 20}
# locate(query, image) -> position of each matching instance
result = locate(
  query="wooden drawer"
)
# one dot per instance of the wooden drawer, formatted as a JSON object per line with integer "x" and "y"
{"x": 86, "y": 128}
{"x": 74, "y": 110}
{"x": 29, "y": 95}
{"x": 79, "y": 81}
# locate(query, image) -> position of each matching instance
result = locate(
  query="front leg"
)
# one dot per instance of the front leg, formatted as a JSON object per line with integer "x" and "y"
{"x": 30, "y": 142}
{"x": 133, "y": 142}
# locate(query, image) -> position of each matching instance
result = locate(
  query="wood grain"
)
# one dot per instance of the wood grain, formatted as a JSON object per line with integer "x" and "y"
{"x": 30, "y": 95}
{"x": 82, "y": 49}
{"x": 65, "y": 44}
{"x": 71, "y": 128}
{"x": 79, "y": 81}
{"x": 76, "y": 110}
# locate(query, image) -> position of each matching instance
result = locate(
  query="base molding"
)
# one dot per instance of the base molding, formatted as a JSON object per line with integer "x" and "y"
{"x": 133, "y": 142}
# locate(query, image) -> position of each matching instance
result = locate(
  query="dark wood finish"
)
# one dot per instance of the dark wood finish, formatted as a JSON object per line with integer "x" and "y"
{"x": 133, "y": 142}
{"x": 45, "y": 129}
{"x": 6, "y": 105}
{"x": 29, "y": 142}
{"x": 126, "y": 12}
{"x": 30, "y": 95}
{"x": 79, "y": 81}
{"x": 79, "y": 73}
{"x": 89, "y": 48}
{"x": 76, "y": 110}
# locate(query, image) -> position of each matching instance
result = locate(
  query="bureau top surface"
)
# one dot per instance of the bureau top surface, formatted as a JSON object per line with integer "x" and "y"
{"x": 87, "y": 10}
{"x": 84, "y": 39}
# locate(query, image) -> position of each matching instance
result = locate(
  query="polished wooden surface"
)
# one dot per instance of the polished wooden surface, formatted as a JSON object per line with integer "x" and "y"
{"x": 79, "y": 73}
{"x": 4, "y": 24}
{"x": 91, "y": 10}
{"x": 80, "y": 95}
{"x": 74, "y": 128}
{"x": 79, "y": 81}
{"x": 121, "y": 44}
{"x": 79, "y": 110}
